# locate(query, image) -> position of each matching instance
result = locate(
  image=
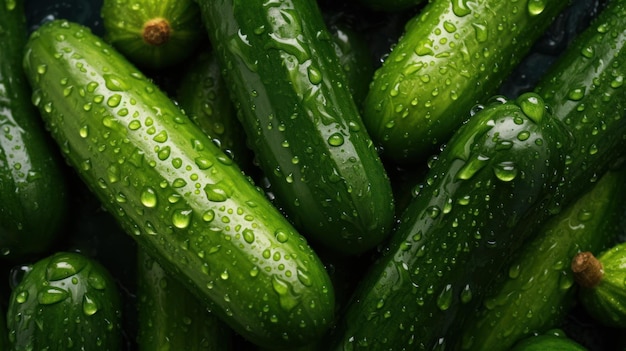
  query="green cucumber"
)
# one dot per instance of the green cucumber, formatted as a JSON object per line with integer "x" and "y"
{"x": 153, "y": 34}
{"x": 33, "y": 191}
{"x": 553, "y": 340}
{"x": 301, "y": 120}
{"x": 174, "y": 191}
{"x": 602, "y": 292}
{"x": 65, "y": 301}
{"x": 538, "y": 283}
{"x": 170, "y": 317}
{"x": 452, "y": 55}
{"x": 496, "y": 172}
{"x": 203, "y": 94}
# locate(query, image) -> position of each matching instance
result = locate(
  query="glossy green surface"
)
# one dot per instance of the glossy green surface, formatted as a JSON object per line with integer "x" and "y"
{"x": 65, "y": 301}
{"x": 203, "y": 94}
{"x": 170, "y": 317}
{"x": 33, "y": 192}
{"x": 553, "y": 341}
{"x": 452, "y": 55}
{"x": 172, "y": 189}
{"x": 124, "y": 21}
{"x": 536, "y": 290}
{"x": 496, "y": 172}
{"x": 301, "y": 120}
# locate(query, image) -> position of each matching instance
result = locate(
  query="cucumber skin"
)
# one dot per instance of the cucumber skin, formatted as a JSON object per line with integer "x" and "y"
{"x": 77, "y": 284}
{"x": 294, "y": 103}
{"x": 170, "y": 317}
{"x": 203, "y": 94}
{"x": 557, "y": 341}
{"x": 32, "y": 183}
{"x": 123, "y": 22}
{"x": 538, "y": 283}
{"x": 605, "y": 302}
{"x": 442, "y": 65}
{"x": 454, "y": 234}
{"x": 209, "y": 226}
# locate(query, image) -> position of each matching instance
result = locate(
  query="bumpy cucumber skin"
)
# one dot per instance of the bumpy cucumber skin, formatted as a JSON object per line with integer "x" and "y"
{"x": 170, "y": 317}
{"x": 496, "y": 171}
{"x": 586, "y": 91}
{"x": 203, "y": 95}
{"x": 33, "y": 192}
{"x": 172, "y": 189}
{"x": 536, "y": 290}
{"x": 301, "y": 120}
{"x": 65, "y": 301}
{"x": 606, "y": 302}
{"x": 452, "y": 55}
{"x": 124, "y": 21}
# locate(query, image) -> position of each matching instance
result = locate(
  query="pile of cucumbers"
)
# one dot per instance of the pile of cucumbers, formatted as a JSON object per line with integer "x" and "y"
{"x": 312, "y": 175}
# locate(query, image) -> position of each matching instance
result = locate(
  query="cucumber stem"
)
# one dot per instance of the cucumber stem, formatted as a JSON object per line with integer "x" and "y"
{"x": 587, "y": 269}
{"x": 156, "y": 31}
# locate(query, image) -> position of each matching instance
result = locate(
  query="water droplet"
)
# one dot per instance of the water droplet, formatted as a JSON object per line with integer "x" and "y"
{"x": 315, "y": 76}
{"x": 466, "y": 294}
{"x": 480, "y": 31}
{"x": 248, "y": 235}
{"x": 181, "y": 218}
{"x": 115, "y": 83}
{"x": 21, "y": 297}
{"x": 64, "y": 265}
{"x": 90, "y": 307}
{"x": 114, "y": 100}
{"x": 161, "y": 137}
{"x": 532, "y": 105}
{"x": 148, "y": 197}
{"x": 203, "y": 163}
{"x": 220, "y": 191}
{"x": 576, "y": 94}
{"x": 523, "y": 135}
{"x": 444, "y": 300}
{"x": 336, "y": 139}
{"x": 460, "y": 8}
{"x": 287, "y": 300}
{"x": 505, "y": 171}
{"x": 536, "y": 7}
{"x": 51, "y": 295}
{"x": 84, "y": 131}
{"x": 281, "y": 236}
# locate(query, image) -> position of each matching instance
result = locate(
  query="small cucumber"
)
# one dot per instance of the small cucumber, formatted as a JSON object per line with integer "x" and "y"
{"x": 170, "y": 317}
{"x": 203, "y": 94}
{"x": 452, "y": 55}
{"x": 538, "y": 283}
{"x": 65, "y": 301}
{"x": 153, "y": 34}
{"x": 174, "y": 191}
{"x": 301, "y": 120}
{"x": 553, "y": 340}
{"x": 497, "y": 171}
{"x": 601, "y": 279}
{"x": 33, "y": 191}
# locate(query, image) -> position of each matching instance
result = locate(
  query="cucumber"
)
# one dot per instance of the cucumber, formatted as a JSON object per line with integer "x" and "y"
{"x": 301, "y": 120}
{"x": 65, "y": 301}
{"x": 602, "y": 292}
{"x": 170, "y": 317}
{"x": 153, "y": 34}
{"x": 538, "y": 283}
{"x": 33, "y": 191}
{"x": 174, "y": 191}
{"x": 452, "y": 55}
{"x": 203, "y": 94}
{"x": 553, "y": 340}
{"x": 496, "y": 172}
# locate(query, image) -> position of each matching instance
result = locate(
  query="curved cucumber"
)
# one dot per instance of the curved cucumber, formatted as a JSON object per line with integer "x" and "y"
{"x": 170, "y": 187}
{"x": 301, "y": 120}
{"x": 153, "y": 33}
{"x": 452, "y": 55}
{"x": 33, "y": 191}
{"x": 495, "y": 173}
{"x": 538, "y": 283}
{"x": 170, "y": 317}
{"x": 65, "y": 301}
{"x": 552, "y": 340}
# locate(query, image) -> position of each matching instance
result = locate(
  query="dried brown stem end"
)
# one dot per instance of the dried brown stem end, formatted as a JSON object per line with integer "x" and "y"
{"x": 587, "y": 269}
{"x": 156, "y": 31}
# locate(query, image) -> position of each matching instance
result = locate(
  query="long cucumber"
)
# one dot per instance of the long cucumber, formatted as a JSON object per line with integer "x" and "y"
{"x": 170, "y": 187}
